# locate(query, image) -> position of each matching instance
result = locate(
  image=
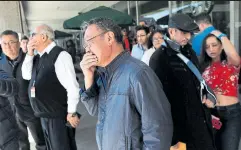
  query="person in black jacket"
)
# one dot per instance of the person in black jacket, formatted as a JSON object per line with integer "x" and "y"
{"x": 11, "y": 62}
{"x": 71, "y": 49}
{"x": 192, "y": 119}
{"x": 8, "y": 125}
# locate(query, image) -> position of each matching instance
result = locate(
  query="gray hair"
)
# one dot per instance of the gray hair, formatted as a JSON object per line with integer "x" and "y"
{"x": 45, "y": 29}
{"x": 104, "y": 24}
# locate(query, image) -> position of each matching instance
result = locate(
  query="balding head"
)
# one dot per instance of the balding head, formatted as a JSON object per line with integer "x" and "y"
{"x": 42, "y": 36}
{"x": 47, "y": 30}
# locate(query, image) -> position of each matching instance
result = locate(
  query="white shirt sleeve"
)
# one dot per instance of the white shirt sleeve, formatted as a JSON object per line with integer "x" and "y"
{"x": 27, "y": 67}
{"x": 65, "y": 72}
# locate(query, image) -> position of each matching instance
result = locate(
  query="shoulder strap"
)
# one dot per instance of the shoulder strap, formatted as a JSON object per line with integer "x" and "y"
{"x": 191, "y": 66}
{"x": 204, "y": 87}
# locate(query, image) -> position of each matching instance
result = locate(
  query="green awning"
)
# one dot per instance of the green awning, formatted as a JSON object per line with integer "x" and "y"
{"x": 122, "y": 19}
{"x": 60, "y": 34}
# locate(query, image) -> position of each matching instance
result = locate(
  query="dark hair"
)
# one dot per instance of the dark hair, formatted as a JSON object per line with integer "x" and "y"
{"x": 10, "y": 32}
{"x": 150, "y": 42}
{"x": 203, "y": 18}
{"x": 146, "y": 29}
{"x": 24, "y": 38}
{"x": 105, "y": 24}
{"x": 205, "y": 60}
{"x": 152, "y": 28}
{"x": 72, "y": 44}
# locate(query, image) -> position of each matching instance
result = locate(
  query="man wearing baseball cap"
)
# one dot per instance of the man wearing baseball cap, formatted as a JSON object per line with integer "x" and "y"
{"x": 191, "y": 118}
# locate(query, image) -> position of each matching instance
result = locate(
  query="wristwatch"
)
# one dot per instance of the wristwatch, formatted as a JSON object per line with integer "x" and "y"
{"x": 221, "y": 35}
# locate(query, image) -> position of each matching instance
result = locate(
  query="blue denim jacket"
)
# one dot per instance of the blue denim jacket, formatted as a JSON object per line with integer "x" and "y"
{"x": 133, "y": 111}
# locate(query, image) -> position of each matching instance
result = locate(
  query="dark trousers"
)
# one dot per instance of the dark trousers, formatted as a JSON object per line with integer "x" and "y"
{"x": 228, "y": 137}
{"x": 36, "y": 132}
{"x": 57, "y": 135}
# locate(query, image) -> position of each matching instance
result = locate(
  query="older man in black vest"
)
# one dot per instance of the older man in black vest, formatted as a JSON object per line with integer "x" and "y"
{"x": 53, "y": 88}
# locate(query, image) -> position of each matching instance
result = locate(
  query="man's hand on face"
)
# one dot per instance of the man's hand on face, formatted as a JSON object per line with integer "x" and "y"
{"x": 88, "y": 66}
{"x": 31, "y": 47}
{"x": 207, "y": 102}
{"x": 74, "y": 121}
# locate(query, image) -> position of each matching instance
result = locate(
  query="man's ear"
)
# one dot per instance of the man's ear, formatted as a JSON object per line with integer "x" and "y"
{"x": 170, "y": 31}
{"x": 44, "y": 37}
{"x": 111, "y": 37}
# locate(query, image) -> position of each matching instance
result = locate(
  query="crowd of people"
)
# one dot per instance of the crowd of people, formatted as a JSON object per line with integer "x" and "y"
{"x": 155, "y": 91}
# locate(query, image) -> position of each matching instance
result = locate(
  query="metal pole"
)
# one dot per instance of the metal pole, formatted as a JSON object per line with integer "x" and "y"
{"x": 137, "y": 13}
{"x": 232, "y": 21}
{"x": 170, "y": 8}
{"x": 128, "y": 11}
{"x": 128, "y": 7}
{"x": 237, "y": 16}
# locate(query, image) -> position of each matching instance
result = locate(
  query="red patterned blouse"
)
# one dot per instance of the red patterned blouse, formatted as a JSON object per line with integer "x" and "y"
{"x": 222, "y": 78}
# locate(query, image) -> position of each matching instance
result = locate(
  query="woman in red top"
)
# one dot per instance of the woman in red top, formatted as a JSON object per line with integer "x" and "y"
{"x": 221, "y": 64}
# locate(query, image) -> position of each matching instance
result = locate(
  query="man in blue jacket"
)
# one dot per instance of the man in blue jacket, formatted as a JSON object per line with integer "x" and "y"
{"x": 11, "y": 61}
{"x": 126, "y": 95}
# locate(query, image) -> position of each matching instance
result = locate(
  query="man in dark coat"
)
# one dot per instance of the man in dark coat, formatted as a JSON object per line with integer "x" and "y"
{"x": 8, "y": 125}
{"x": 11, "y": 62}
{"x": 191, "y": 119}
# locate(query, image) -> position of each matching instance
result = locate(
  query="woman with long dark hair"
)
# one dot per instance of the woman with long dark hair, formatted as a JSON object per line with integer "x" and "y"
{"x": 220, "y": 65}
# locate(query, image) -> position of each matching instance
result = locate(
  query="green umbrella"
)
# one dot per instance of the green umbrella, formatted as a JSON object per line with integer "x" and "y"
{"x": 122, "y": 19}
{"x": 60, "y": 34}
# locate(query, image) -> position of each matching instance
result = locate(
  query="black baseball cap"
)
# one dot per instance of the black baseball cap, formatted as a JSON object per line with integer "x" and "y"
{"x": 182, "y": 22}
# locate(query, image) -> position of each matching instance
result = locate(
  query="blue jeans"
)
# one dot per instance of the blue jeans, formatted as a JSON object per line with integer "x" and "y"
{"x": 227, "y": 138}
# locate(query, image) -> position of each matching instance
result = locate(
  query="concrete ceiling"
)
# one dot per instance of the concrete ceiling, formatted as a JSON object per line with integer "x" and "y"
{"x": 54, "y": 13}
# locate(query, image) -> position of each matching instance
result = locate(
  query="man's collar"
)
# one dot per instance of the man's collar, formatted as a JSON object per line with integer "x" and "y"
{"x": 111, "y": 67}
{"x": 175, "y": 46}
{"x": 48, "y": 48}
{"x": 141, "y": 47}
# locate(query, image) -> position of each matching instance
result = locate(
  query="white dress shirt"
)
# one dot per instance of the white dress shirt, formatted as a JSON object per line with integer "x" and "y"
{"x": 65, "y": 73}
{"x": 147, "y": 55}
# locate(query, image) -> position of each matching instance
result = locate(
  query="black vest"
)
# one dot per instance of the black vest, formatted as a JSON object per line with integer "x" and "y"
{"x": 50, "y": 96}
{"x": 21, "y": 101}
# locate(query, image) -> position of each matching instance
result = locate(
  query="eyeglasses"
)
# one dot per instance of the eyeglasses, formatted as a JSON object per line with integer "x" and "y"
{"x": 140, "y": 35}
{"x": 11, "y": 43}
{"x": 157, "y": 39}
{"x": 86, "y": 43}
{"x": 33, "y": 34}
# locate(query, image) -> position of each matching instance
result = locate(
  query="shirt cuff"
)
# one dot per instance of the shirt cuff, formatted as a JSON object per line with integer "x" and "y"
{"x": 72, "y": 107}
{"x": 28, "y": 57}
{"x": 91, "y": 91}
